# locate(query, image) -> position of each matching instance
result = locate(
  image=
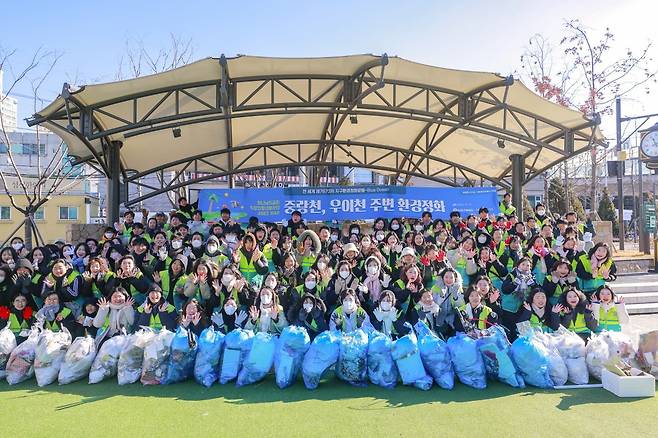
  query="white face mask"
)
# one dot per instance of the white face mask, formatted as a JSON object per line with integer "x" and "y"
{"x": 322, "y": 265}
{"x": 334, "y": 237}
{"x": 372, "y": 270}
{"x": 17, "y": 246}
{"x": 212, "y": 248}
{"x": 230, "y": 310}
{"x": 365, "y": 244}
{"x": 227, "y": 279}
{"x": 380, "y": 236}
{"x": 176, "y": 244}
{"x": 541, "y": 212}
{"x": 310, "y": 284}
{"x": 270, "y": 283}
{"x": 395, "y": 227}
{"x": 419, "y": 227}
{"x": 231, "y": 239}
{"x": 349, "y": 306}
{"x": 108, "y": 235}
{"x": 344, "y": 274}
{"x": 385, "y": 305}
{"x": 196, "y": 244}
{"x": 68, "y": 251}
{"x": 265, "y": 299}
{"x": 355, "y": 231}
{"x": 308, "y": 307}
{"x": 482, "y": 239}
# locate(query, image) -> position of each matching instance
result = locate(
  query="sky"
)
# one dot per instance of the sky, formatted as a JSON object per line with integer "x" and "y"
{"x": 470, "y": 35}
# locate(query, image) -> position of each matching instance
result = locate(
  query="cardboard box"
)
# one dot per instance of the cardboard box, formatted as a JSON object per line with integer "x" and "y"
{"x": 632, "y": 386}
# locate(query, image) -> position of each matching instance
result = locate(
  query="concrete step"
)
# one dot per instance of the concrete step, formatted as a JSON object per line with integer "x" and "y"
{"x": 638, "y": 309}
{"x": 638, "y": 287}
{"x": 640, "y": 297}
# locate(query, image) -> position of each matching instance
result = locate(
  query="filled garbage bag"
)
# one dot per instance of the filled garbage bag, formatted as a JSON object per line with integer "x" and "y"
{"x": 107, "y": 359}
{"x": 259, "y": 360}
{"x": 557, "y": 368}
{"x": 352, "y": 366}
{"x": 435, "y": 355}
{"x": 494, "y": 348}
{"x": 410, "y": 365}
{"x": 382, "y": 370}
{"x": 294, "y": 342}
{"x": 49, "y": 355}
{"x": 20, "y": 365}
{"x": 129, "y": 368}
{"x": 233, "y": 356}
{"x": 78, "y": 360}
{"x": 532, "y": 360}
{"x": 467, "y": 361}
{"x": 321, "y": 355}
{"x": 605, "y": 346}
{"x": 573, "y": 352}
{"x": 7, "y": 345}
{"x": 206, "y": 365}
{"x": 156, "y": 358}
{"x": 182, "y": 354}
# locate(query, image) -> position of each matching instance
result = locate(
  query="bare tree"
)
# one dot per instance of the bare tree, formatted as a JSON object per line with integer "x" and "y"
{"x": 589, "y": 78}
{"x": 49, "y": 179}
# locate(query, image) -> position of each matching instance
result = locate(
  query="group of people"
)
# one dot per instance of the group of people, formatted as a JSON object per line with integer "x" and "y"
{"x": 457, "y": 274}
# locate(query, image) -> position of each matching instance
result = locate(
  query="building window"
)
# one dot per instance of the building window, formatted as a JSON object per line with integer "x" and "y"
{"x": 534, "y": 200}
{"x": 68, "y": 213}
{"x": 27, "y": 149}
{"x": 39, "y": 215}
{"x": 5, "y": 213}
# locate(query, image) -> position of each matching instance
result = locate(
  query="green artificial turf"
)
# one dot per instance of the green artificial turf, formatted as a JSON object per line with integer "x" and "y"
{"x": 334, "y": 409}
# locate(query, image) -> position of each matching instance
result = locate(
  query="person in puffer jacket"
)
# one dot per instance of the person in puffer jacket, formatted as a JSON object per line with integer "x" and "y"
{"x": 310, "y": 315}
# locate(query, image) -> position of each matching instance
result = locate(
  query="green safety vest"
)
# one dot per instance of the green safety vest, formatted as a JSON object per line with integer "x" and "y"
{"x": 71, "y": 277}
{"x": 54, "y": 324}
{"x": 500, "y": 248}
{"x": 360, "y": 316}
{"x": 578, "y": 325}
{"x": 507, "y": 211}
{"x": 247, "y": 268}
{"x": 307, "y": 262}
{"x": 166, "y": 283}
{"x": 15, "y": 326}
{"x": 484, "y": 316}
{"x": 154, "y": 322}
{"x": 588, "y": 285}
{"x": 536, "y": 323}
{"x": 609, "y": 320}
{"x": 97, "y": 293}
{"x": 318, "y": 290}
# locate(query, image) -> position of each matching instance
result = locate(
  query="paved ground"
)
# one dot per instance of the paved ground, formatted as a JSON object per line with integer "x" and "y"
{"x": 641, "y": 324}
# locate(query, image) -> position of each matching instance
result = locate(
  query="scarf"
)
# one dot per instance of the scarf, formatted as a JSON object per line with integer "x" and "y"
{"x": 265, "y": 319}
{"x": 374, "y": 286}
{"x": 539, "y": 312}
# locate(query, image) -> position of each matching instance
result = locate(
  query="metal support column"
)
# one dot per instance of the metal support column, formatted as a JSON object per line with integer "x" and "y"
{"x": 113, "y": 182}
{"x": 620, "y": 182}
{"x": 518, "y": 170}
{"x": 643, "y": 235}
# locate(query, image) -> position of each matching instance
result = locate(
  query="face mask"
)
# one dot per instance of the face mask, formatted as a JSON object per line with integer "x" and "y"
{"x": 227, "y": 279}
{"x": 334, "y": 237}
{"x": 395, "y": 227}
{"x": 230, "y": 310}
{"x": 471, "y": 226}
{"x": 308, "y": 307}
{"x": 196, "y": 244}
{"x": 17, "y": 246}
{"x": 265, "y": 299}
{"x": 541, "y": 212}
{"x": 108, "y": 235}
{"x": 344, "y": 274}
{"x": 354, "y": 232}
{"x": 482, "y": 239}
{"x": 176, "y": 244}
{"x": 212, "y": 248}
{"x": 427, "y": 308}
{"x": 349, "y": 306}
{"x": 379, "y": 236}
{"x": 231, "y": 239}
{"x": 418, "y": 228}
{"x": 385, "y": 305}
{"x": 271, "y": 284}
{"x": 310, "y": 284}
{"x": 372, "y": 270}
{"x": 68, "y": 252}
{"x": 322, "y": 265}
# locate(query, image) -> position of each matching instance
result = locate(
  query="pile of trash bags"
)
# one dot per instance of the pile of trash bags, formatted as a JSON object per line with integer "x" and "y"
{"x": 420, "y": 358}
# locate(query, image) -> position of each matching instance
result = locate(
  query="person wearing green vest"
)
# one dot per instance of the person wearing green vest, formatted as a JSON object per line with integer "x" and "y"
{"x": 132, "y": 279}
{"x": 474, "y": 315}
{"x": 576, "y": 314}
{"x": 18, "y": 317}
{"x": 595, "y": 268}
{"x": 307, "y": 250}
{"x": 54, "y": 314}
{"x": 609, "y": 310}
{"x": 516, "y": 287}
{"x": 251, "y": 261}
{"x": 63, "y": 280}
{"x": 386, "y": 318}
{"x": 537, "y": 311}
{"x": 506, "y": 206}
{"x": 559, "y": 280}
{"x": 98, "y": 281}
{"x": 172, "y": 281}
{"x": 156, "y": 313}
{"x": 309, "y": 313}
{"x": 489, "y": 266}
{"x": 114, "y": 315}
{"x": 266, "y": 315}
{"x": 350, "y": 315}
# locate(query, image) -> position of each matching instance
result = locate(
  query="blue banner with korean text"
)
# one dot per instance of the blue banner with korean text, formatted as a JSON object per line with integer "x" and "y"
{"x": 346, "y": 202}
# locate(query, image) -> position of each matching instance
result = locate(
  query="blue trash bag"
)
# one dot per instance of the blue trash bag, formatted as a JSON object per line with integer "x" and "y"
{"x": 206, "y": 365}
{"x": 352, "y": 364}
{"x": 435, "y": 355}
{"x": 410, "y": 365}
{"x": 321, "y": 355}
{"x": 259, "y": 360}
{"x": 181, "y": 356}
{"x": 495, "y": 350}
{"x": 382, "y": 370}
{"x": 467, "y": 361}
{"x": 233, "y": 355}
{"x": 294, "y": 342}
{"x": 533, "y": 360}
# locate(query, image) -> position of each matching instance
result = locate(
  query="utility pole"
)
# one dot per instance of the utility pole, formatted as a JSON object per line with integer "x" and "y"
{"x": 620, "y": 175}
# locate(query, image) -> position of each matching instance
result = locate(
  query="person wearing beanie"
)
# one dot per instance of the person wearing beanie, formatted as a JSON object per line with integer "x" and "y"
{"x": 156, "y": 312}
{"x": 114, "y": 315}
